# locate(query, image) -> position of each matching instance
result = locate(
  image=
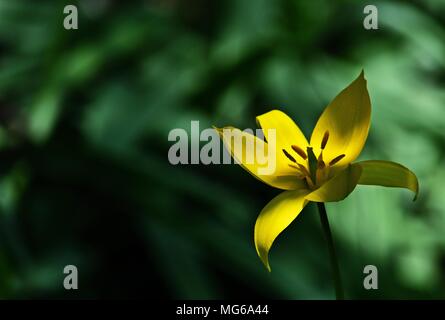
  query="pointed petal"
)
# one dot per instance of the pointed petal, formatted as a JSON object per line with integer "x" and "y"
{"x": 253, "y": 155}
{"x": 388, "y": 174}
{"x": 347, "y": 119}
{"x": 287, "y": 132}
{"x": 274, "y": 218}
{"x": 338, "y": 187}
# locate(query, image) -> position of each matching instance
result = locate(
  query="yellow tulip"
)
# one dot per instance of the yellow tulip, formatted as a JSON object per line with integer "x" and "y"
{"x": 320, "y": 170}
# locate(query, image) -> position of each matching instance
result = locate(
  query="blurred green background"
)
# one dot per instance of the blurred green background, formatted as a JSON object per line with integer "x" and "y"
{"x": 84, "y": 120}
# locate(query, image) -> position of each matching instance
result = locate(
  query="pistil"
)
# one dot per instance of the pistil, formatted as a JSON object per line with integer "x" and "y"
{"x": 313, "y": 164}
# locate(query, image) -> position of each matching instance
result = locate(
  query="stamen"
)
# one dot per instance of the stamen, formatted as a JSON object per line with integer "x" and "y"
{"x": 324, "y": 141}
{"x": 310, "y": 182}
{"x": 303, "y": 169}
{"x": 320, "y": 175}
{"x": 299, "y": 174}
{"x": 320, "y": 162}
{"x": 289, "y": 156}
{"x": 336, "y": 159}
{"x": 300, "y": 151}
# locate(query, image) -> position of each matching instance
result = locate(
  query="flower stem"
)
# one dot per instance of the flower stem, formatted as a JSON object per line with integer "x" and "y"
{"x": 332, "y": 255}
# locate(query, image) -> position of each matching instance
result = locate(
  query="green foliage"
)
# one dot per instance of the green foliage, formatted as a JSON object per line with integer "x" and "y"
{"x": 84, "y": 119}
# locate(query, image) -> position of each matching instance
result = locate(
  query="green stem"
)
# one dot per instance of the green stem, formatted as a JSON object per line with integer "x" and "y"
{"x": 332, "y": 255}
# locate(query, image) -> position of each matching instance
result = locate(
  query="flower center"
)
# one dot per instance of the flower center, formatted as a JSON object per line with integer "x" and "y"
{"x": 318, "y": 169}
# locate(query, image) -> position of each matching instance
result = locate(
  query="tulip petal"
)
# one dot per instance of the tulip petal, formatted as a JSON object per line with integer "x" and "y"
{"x": 388, "y": 174}
{"x": 274, "y": 218}
{"x": 338, "y": 187}
{"x": 347, "y": 120}
{"x": 253, "y": 155}
{"x": 287, "y": 132}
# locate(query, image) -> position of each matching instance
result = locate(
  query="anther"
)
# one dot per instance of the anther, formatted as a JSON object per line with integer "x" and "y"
{"x": 300, "y": 151}
{"x": 336, "y": 159}
{"x": 289, "y": 156}
{"x": 324, "y": 141}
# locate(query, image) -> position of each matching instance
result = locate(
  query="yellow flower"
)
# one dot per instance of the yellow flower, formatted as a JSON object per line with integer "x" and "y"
{"x": 321, "y": 170}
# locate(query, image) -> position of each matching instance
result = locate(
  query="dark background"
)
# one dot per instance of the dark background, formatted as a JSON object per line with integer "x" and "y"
{"x": 84, "y": 120}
